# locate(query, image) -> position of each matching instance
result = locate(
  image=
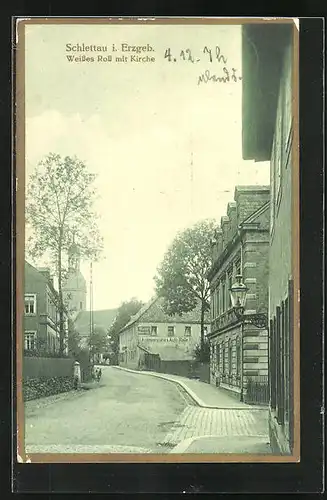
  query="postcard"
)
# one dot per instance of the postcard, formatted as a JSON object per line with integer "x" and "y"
{"x": 157, "y": 240}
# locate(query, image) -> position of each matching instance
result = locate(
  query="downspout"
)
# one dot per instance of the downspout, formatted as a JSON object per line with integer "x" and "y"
{"x": 242, "y": 321}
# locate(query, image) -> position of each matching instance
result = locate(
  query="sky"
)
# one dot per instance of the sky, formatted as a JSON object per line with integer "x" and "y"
{"x": 166, "y": 149}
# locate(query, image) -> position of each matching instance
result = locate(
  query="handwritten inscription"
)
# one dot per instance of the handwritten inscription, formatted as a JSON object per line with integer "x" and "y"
{"x": 206, "y": 54}
{"x": 226, "y": 77}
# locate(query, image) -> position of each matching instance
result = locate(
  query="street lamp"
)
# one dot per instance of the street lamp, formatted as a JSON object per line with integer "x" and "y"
{"x": 238, "y": 297}
{"x": 238, "y": 293}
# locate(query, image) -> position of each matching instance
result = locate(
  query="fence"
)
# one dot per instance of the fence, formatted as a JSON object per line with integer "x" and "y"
{"x": 175, "y": 367}
{"x": 257, "y": 390}
{"x": 183, "y": 368}
{"x": 47, "y": 376}
{"x": 41, "y": 367}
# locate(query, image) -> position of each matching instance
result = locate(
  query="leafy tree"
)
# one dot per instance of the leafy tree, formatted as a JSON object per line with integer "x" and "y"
{"x": 59, "y": 211}
{"x": 202, "y": 354}
{"x": 126, "y": 310}
{"x": 98, "y": 341}
{"x": 182, "y": 276}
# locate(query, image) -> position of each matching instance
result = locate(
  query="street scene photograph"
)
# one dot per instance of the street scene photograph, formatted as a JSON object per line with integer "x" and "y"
{"x": 160, "y": 269}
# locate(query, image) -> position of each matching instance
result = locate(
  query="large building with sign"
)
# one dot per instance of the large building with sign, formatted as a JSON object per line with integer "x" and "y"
{"x": 152, "y": 331}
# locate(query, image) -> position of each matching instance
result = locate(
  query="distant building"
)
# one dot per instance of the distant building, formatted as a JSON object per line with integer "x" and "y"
{"x": 153, "y": 331}
{"x": 74, "y": 287}
{"x": 41, "y": 312}
{"x": 268, "y": 135}
{"x": 102, "y": 319}
{"x": 241, "y": 247}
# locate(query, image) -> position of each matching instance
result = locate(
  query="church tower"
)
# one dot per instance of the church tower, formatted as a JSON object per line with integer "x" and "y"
{"x": 74, "y": 288}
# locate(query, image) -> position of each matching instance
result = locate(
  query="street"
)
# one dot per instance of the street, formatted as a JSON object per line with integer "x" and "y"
{"x": 125, "y": 413}
{"x": 137, "y": 413}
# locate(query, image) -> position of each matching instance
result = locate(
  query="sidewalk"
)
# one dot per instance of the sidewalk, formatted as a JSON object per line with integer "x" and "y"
{"x": 217, "y": 423}
{"x": 227, "y": 445}
{"x": 203, "y": 394}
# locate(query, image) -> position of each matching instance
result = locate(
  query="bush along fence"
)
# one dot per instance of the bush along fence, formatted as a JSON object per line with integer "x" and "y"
{"x": 47, "y": 376}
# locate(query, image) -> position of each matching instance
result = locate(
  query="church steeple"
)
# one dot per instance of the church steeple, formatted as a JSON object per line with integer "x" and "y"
{"x": 74, "y": 288}
{"x": 73, "y": 257}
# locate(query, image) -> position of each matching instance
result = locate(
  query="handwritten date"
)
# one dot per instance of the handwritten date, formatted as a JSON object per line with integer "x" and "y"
{"x": 207, "y": 54}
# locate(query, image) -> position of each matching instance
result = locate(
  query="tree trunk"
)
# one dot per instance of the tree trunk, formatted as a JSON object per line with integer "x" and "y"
{"x": 203, "y": 306}
{"x": 61, "y": 302}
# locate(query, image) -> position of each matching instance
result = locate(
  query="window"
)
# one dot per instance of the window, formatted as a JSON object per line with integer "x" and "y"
{"x": 188, "y": 331}
{"x": 154, "y": 330}
{"x": 223, "y": 294}
{"x": 30, "y": 304}
{"x": 218, "y": 356}
{"x": 30, "y": 341}
{"x": 230, "y": 282}
{"x": 213, "y": 304}
{"x": 238, "y": 267}
{"x": 81, "y": 305}
{"x": 238, "y": 357}
{"x": 230, "y": 358}
{"x": 171, "y": 331}
{"x": 224, "y": 360}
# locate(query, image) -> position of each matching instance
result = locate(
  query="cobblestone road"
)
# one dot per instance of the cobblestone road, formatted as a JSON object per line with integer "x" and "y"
{"x": 196, "y": 421}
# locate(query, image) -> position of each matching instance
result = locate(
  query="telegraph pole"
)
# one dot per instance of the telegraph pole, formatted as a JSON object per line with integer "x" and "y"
{"x": 91, "y": 308}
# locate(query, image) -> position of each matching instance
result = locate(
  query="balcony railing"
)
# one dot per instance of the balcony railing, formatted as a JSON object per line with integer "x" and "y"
{"x": 227, "y": 318}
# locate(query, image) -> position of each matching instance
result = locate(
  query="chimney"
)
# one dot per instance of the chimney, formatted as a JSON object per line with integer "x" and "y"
{"x": 225, "y": 227}
{"x": 231, "y": 213}
{"x": 249, "y": 199}
{"x": 216, "y": 244}
{"x": 219, "y": 237}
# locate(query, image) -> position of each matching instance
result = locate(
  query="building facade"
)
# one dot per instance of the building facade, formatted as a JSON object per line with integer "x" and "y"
{"x": 268, "y": 135}
{"x": 239, "y": 352}
{"x": 41, "y": 313}
{"x": 152, "y": 331}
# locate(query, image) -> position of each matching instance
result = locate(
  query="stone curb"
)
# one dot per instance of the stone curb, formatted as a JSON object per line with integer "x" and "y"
{"x": 184, "y": 445}
{"x": 191, "y": 393}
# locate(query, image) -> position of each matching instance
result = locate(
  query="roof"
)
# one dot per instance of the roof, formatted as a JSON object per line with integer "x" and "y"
{"x": 101, "y": 319}
{"x": 263, "y": 47}
{"x": 39, "y": 275}
{"x": 260, "y": 217}
{"x": 153, "y": 312}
